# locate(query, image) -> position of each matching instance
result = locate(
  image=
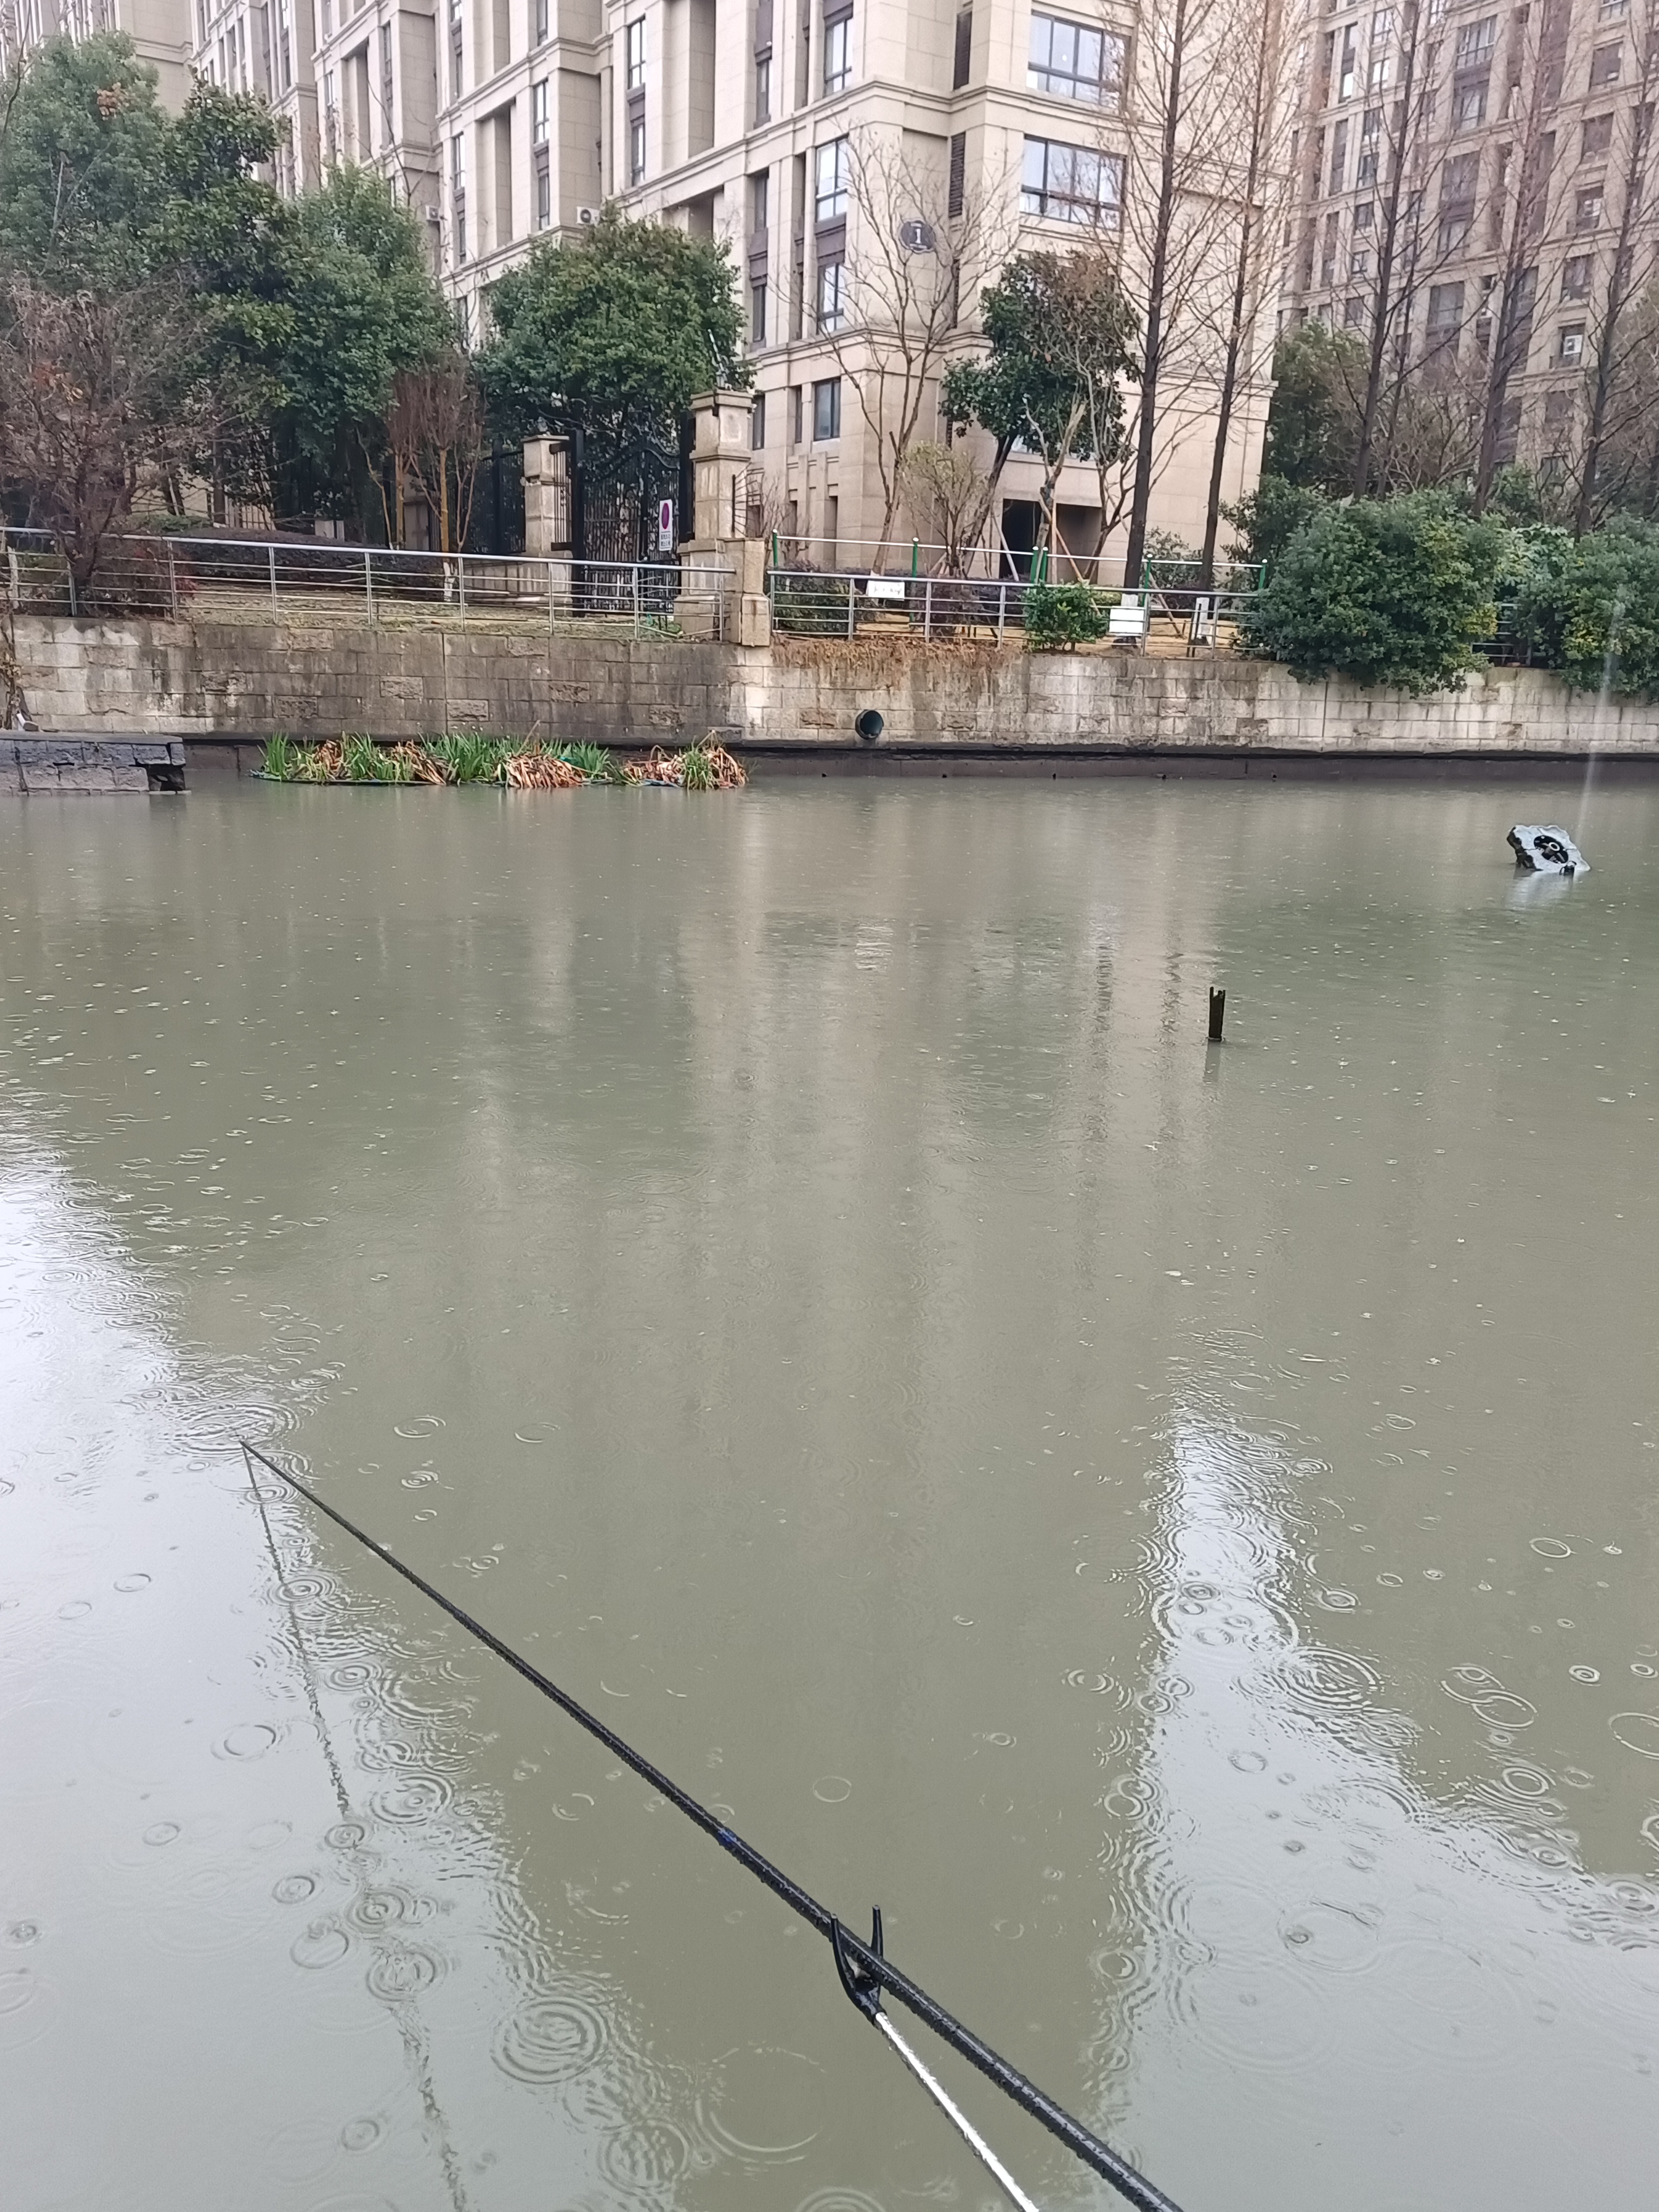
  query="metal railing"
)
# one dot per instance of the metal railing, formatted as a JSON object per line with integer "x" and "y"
{"x": 812, "y": 603}
{"x": 296, "y": 580}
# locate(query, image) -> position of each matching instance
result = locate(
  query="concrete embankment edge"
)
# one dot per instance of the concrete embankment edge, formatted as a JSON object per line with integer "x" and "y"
{"x": 235, "y": 682}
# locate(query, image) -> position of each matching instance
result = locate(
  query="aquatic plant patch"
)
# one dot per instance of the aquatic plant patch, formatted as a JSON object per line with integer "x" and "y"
{"x": 517, "y": 763}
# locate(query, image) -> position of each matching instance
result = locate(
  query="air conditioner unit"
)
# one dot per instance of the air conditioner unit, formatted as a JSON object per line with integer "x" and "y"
{"x": 588, "y": 214}
{"x": 432, "y": 214}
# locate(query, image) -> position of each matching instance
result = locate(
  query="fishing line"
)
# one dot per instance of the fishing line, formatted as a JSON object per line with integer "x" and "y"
{"x": 865, "y": 1971}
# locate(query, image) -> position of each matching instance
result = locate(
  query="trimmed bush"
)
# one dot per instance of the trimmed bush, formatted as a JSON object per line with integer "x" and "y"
{"x": 1058, "y": 618}
{"x": 1386, "y": 591}
{"x": 1591, "y": 610}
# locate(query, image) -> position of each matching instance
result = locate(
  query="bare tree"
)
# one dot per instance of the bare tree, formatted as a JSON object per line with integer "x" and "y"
{"x": 1627, "y": 457}
{"x": 1176, "y": 216}
{"x": 86, "y": 398}
{"x": 435, "y": 428}
{"x": 920, "y": 242}
{"x": 950, "y": 496}
{"x": 1260, "y": 54}
{"x": 1518, "y": 210}
{"x": 1628, "y": 265}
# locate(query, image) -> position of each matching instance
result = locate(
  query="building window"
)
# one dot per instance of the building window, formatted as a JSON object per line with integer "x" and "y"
{"x": 1353, "y": 313}
{"x": 1576, "y": 277}
{"x": 763, "y": 88}
{"x": 1569, "y": 344}
{"x": 837, "y": 52}
{"x": 1475, "y": 42}
{"x": 826, "y": 409}
{"x": 1454, "y": 232}
{"x": 1347, "y": 68}
{"x": 1338, "y": 155}
{"x": 1597, "y": 138}
{"x": 956, "y": 190}
{"x": 388, "y": 88}
{"x": 284, "y": 45}
{"x": 542, "y": 18}
{"x": 1359, "y": 264}
{"x": 757, "y": 313}
{"x": 1469, "y": 105}
{"x": 538, "y": 112}
{"x": 830, "y": 181}
{"x": 795, "y": 411}
{"x": 458, "y": 192}
{"x": 1071, "y": 61}
{"x": 832, "y": 293}
{"x": 961, "y": 61}
{"x": 1587, "y": 208}
{"x": 1605, "y": 64}
{"x": 1445, "y": 309}
{"x": 455, "y": 45}
{"x": 633, "y": 50}
{"x": 757, "y": 424}
{"x": 543, "y": 189}
{"x": 1365, "y": 215}
{"x": 1070, "y": 184}
{"x": 636, "y": 149}
{"x": 1371, "y": 136}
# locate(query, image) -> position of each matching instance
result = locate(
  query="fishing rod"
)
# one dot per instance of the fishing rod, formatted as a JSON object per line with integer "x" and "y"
{"x": 865, "y": 1970}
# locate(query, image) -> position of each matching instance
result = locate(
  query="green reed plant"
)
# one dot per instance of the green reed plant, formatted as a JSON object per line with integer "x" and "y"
{"x": 278, "y": 760}
{"x": 697, "y": 769}
{"x": 595, "y": 763}
{"x": 469, "y": 757}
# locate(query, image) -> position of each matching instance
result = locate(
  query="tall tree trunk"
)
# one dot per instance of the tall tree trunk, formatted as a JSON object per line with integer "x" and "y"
{"x": 1619, "y": 285}
{"x": 1237, "y": 323}
{"x": 1146, "y": 428}
{"x": 1382, "y": 299}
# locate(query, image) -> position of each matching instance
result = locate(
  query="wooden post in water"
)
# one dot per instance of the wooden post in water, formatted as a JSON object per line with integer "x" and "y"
{"x": 1217, "y": 1013}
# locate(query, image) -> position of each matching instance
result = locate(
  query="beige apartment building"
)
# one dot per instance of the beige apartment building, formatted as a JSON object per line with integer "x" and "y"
{"x": 160, "y": 29}
{"x": 796, "y": 131}
{"x": 1513, "y": 145}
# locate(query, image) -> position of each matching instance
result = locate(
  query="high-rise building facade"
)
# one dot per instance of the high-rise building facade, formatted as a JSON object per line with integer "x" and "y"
{"x": 160, "y": 29}
{"x": 869, "y": 164}
{"x": 1477, "y": 203}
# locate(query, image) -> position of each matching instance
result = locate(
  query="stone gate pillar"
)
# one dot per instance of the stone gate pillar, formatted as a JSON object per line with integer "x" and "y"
{"x": 722, "y": 569}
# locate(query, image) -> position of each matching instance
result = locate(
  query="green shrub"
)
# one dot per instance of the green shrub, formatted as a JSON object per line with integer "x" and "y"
{"x": 1269, "y": 517}
{"x": 1058, "y": 618}
{"x": 812, "y": 606}
{"x": 1591, "y": 610}
{"x": 1386, "y": 591}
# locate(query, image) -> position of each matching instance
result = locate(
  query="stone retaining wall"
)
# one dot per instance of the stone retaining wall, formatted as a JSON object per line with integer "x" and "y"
{"x": 90, "y": 764}
{"x": 215, "y": 677}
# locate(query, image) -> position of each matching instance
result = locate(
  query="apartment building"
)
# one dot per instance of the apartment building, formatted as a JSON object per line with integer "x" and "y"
{"x": 756, "y": 121}
{"x": 1511, "y": 147}
{"x": 160, "y": 29}
{"x": 519, "y": 133}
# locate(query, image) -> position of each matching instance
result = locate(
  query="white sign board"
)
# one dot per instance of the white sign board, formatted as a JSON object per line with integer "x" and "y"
{"x": 885, "y": 587}
{"x": 665, "y": 525}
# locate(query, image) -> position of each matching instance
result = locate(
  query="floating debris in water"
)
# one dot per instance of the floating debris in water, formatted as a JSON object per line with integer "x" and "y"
{"x": 1546, "y": 851}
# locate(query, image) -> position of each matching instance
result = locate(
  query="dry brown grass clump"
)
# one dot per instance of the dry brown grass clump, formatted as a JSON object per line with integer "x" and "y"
{"x": 706, "y": 766}
{"x": 543, "y": 771}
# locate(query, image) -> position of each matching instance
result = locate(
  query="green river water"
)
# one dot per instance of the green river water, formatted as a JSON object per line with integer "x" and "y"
{"x": 1176, "y": 1528}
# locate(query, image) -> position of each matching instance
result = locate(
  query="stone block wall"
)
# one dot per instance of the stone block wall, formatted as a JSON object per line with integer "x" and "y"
{"x": 209, "y": 677}
{"x": 90, "y": 764}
